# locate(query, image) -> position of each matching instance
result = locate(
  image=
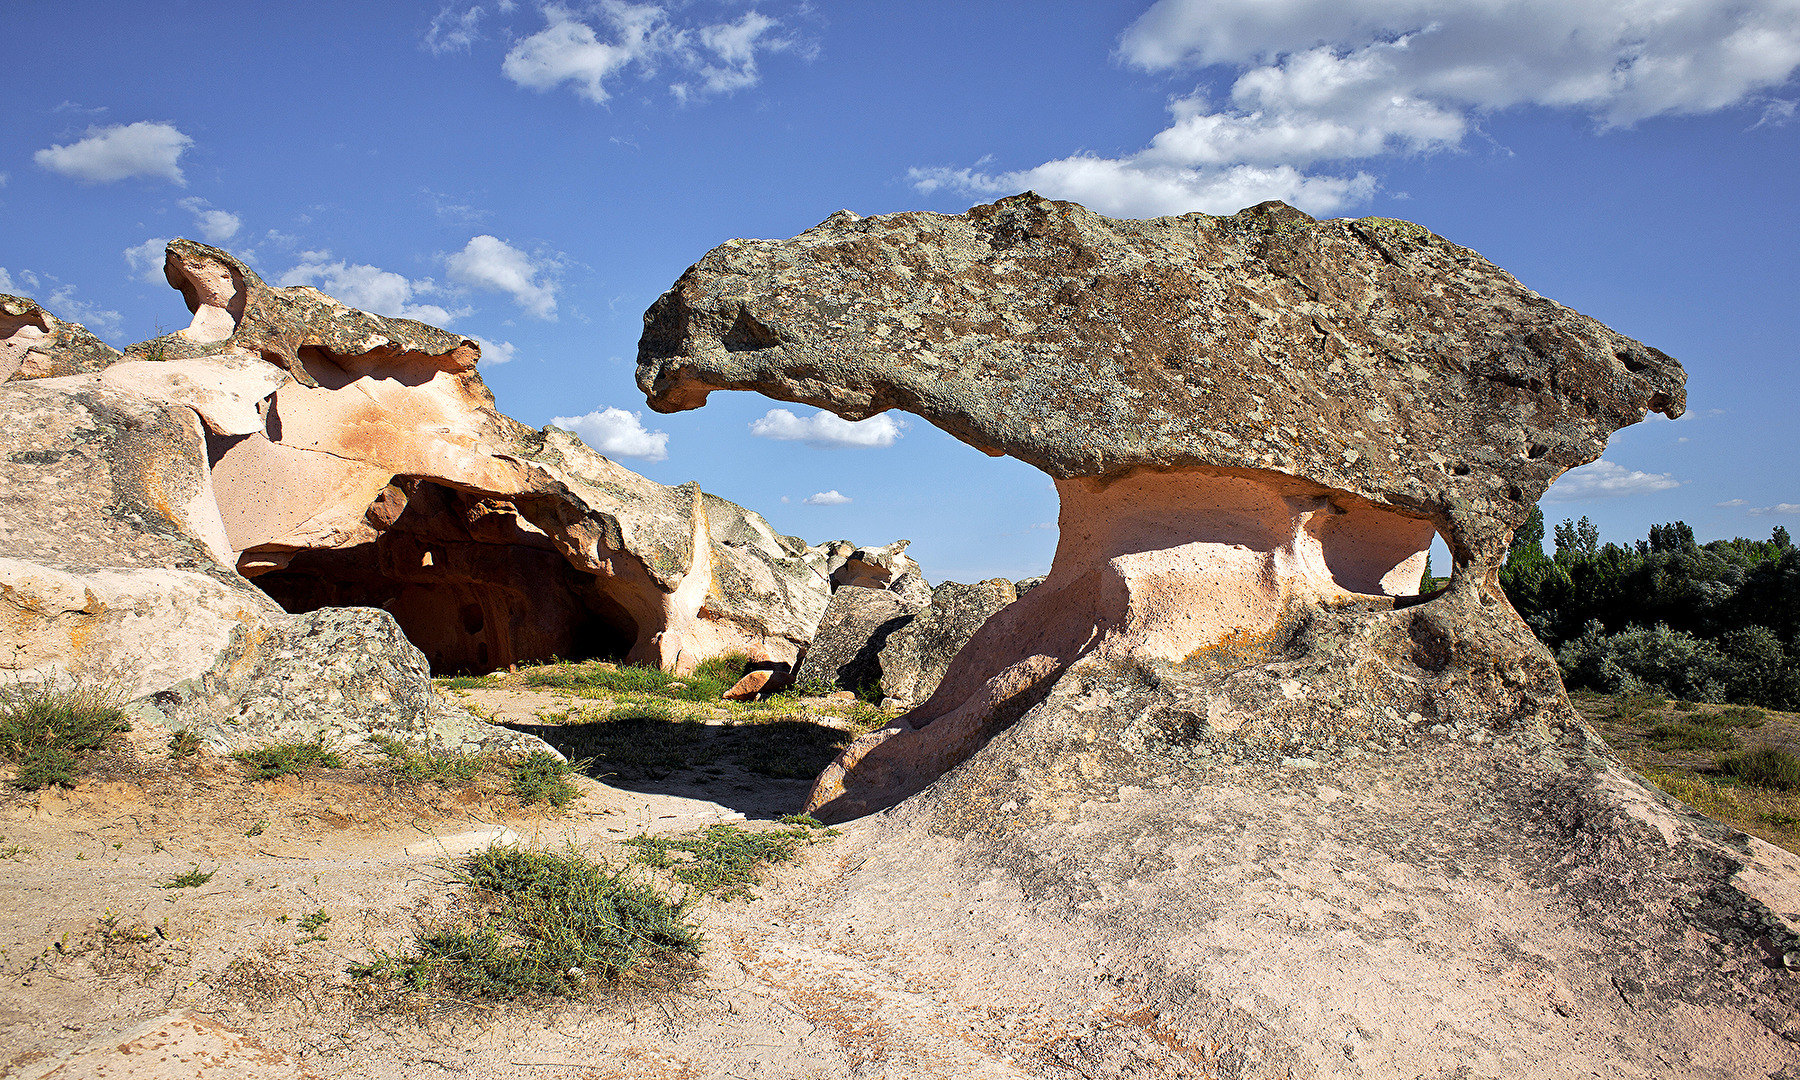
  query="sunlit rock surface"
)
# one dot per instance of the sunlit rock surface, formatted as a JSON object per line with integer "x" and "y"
{"x": 339, "y": 459}
{"x": 1313, "y": 823}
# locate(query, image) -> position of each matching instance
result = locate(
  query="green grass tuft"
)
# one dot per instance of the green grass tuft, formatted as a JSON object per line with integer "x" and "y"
{"x": 184, "y": 744}
{"x": 725, "y": 860}
{"x": 1677, "y": 736}
{"x": 286, "y": 759}
{"x": 544, "y": 778}
{"x": 425, "y": 766}
{"x": 193, "y": 879}
{"x": 552, "y": 924}
{"x": 1764, "y": 767}
{"x": 1738, "y": 716}
{"x": 45, "y": 729}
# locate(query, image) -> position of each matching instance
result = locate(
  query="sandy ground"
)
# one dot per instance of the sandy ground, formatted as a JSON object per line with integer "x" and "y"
{"x": 105, "y": 973}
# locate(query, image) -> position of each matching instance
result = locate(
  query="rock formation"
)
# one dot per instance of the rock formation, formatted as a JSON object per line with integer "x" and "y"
{"x": 876, "y": 639}
{"x": 1256, "y": 424}
{"x": 339, "y": 459}
{"x": 1315, "y": 823}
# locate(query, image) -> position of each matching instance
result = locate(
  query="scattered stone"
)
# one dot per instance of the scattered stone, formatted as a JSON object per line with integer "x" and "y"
{"x": 916, "y": 655}
{"x": 846, "y": 647}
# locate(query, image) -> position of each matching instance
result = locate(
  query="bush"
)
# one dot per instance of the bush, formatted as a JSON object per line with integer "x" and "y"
{"x": 1764, "y": 767}
{"x": 420, "y": 766}
{"x": 725, "y": 860}
{"x": 544, "y": 778}
{"x": 45, "y": 729}
{"x": 286, "y": 759}
{"x": 1669, "y": 738}
{"x": 555, "y": 924}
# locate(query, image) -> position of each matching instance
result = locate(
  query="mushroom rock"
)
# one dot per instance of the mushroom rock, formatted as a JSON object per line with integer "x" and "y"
{"x": 1224, "y": 757}
{"x": 1256, "y": 424}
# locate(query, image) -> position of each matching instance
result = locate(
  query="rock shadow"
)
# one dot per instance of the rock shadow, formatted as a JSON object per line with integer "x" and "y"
{"x": 762, "y": 770}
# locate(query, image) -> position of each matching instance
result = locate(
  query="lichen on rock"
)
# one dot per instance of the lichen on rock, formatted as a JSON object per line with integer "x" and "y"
{"x": 1251, "y": 421}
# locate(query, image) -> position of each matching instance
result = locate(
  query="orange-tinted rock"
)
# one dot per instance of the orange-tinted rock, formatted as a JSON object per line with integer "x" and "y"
{"x": 748, "y": 687}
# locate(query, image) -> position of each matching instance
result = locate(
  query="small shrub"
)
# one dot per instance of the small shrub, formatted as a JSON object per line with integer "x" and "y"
{"x": 45, "y": 729}
{"x": 1677, "y": 736}
{"x": 725, "y": 860}
{"x": 184, "y": 744}
{"x": 544, "y": 778}
{"x": 313, "y": 926}
{"x": 725, "y": 670}
{"x": 1683, "y": 706}
{"x": 418, "y": 767}
{"x": 1740, "y": 716}
{"x": 286, "y": 759}
{"x": 193, "y": 879}
{"x": 553, "y": 924}
{"x": 1764, "y": 767}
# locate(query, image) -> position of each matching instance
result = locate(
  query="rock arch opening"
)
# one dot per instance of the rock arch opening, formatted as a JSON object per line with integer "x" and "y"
{"x": 470, "y": 580}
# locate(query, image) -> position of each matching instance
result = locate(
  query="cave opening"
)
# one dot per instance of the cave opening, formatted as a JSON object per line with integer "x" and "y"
{"x": 472, "y": 583}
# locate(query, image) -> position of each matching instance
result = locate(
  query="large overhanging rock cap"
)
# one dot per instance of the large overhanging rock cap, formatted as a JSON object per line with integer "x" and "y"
{"x": 1256, "y": 424}
{"x": 1365, "y": 356}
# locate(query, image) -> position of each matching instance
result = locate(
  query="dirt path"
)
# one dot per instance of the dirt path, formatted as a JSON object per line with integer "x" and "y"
{"x": 106, "y": 972}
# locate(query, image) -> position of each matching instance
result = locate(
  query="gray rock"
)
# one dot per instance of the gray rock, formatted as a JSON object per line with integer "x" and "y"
{"x": 340, "y": 675}
{"x": 846, "y": 648}
{"x": 916, "y": 654}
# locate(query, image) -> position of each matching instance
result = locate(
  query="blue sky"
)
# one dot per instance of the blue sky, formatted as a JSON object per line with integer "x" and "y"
{"x": 534, "y": 175}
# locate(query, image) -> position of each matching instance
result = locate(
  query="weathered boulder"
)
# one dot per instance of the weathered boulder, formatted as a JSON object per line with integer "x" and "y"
{"x": 340, "y": 675}
{"x": 846, "y": 647}
{"x": 1251, "y": 421}
{"x": 1306, "y": 821}
{"x": 916, "y": 654}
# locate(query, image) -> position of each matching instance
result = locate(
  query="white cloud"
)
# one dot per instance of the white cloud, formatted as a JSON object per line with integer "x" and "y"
{"x": 827, "y": 430}
{"x": 60, "y": 300}
{"x": 585, "y": 50}
{"x": 496, "y": 352}
{"x": 6, "y": 281}
{"x": 827, "y": 498}
{"x": 1320, "y": 81}
{"x": 1733, "y": 502}
{"x": 1778, "y": 508}
{"x": 452, "y": 30}
{"x": 617, "y": 433}
{"x": 113, "y": 153}
{"x": 487, "y": 262}
{"x": 1605, "y": 480}
{"x": 146, "y": 260}
{"x": 370, "y": 288}
{"x": 217, "y": 226}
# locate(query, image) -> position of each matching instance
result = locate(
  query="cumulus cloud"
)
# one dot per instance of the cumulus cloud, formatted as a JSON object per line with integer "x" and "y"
{"x": 827, "y": 430}
{"x": 6, "y": 281}
{"x": 1778, "y": 508}
{"x": 617, "y": 433}
{"x": 60, "y": 299}
{"x": 487, "y": 262}
{"x": 217, "y": 226}
{"x": 827, "y": 498}
{"x": 146, "y": 260}
{"x": 1335, "y": 81}
{"x": 495, "y": 352}
{"x": 585, "y": 49}
{"x": 1733, "y": 502}
{"x": 370, "y": 288}
{"x": 1606, "y": 480}
{"x": 112, "y": 153}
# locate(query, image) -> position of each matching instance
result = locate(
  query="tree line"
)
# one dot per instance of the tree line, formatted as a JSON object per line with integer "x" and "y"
{"x": 1717, "y": 622}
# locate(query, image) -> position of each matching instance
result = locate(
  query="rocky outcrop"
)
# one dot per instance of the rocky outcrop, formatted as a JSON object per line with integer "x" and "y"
{"x": 1304, "y": 820}
{"x": 35, "y": 344}
{"x": 846, "y": 648}
{"x": 184, "y": 517}
{"x": 915, "y": 656}
{"x": 1252, "y": 421}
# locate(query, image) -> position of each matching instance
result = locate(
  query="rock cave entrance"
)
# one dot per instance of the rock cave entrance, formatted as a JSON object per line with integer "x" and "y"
{"x": 472, "y": 583}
